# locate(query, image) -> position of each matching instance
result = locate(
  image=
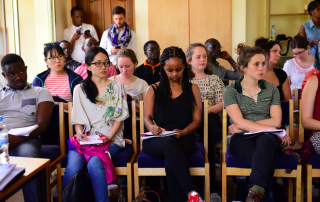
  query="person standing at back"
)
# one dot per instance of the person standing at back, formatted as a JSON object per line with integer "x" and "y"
{"x": 78, "y": 32}
{"x": 67, "y": 50}
{"x": 118, "y": 36}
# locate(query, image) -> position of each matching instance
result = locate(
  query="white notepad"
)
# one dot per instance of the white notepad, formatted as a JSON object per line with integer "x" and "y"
{"x": 148, "y": 135}
{"x": 93, "y": 139}
{"x": 279, "y": 132}
{"x": 25, "y": 131}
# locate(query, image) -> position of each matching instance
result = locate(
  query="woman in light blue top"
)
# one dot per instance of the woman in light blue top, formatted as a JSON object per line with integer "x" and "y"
{"x": 311, "y": 29}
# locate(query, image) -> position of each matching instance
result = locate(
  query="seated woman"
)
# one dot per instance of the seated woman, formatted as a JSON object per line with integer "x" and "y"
{"x": 274, "y": 75}
{"x": 175, "y": 105}
{"x": 211, "y": 89}
{"x": 253, "y": 104}
{"x": 135, "y": 87}
{"x": 297, "y": 67}
{"x": 58, "y": 79}
{"x": 100, "y": 105}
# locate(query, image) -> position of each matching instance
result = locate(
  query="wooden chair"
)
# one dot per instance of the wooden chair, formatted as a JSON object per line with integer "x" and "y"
{"x": 296, "y": 98}
{"x": 232, "y": 166}
{"x": 122, "y": 162}
{"x": 147, "y": 166}
{"x": 49, "y": 147}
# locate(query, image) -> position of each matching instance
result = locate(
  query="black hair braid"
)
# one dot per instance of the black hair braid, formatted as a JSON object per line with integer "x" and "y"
{"x": 163, "y": 92}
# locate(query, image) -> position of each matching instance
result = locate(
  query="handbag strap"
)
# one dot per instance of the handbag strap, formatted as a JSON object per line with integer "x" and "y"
{"x": 149, "y": 191}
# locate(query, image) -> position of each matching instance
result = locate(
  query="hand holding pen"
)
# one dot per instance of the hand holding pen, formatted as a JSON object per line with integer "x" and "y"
{"x": 82, "y": 136}
{"x": 156, "y": 130}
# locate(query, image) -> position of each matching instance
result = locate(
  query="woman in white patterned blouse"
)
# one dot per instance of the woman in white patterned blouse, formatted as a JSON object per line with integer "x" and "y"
{"x": 211, "y": 89}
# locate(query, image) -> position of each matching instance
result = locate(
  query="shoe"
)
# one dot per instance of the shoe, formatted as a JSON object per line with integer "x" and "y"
{"x": 214, "y": 197}
{"x": 194, "y": 197}
{"x": 255, "y": 194}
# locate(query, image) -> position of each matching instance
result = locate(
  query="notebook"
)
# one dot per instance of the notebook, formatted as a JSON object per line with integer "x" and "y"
{"x": 279, "y": 132}
{"x": 25, "y": 131}
{"x": 15, "y": 173}
{"x": 6, "y": 169}
{"x": 148, "y": 135}
{"x": 93, "y": 139}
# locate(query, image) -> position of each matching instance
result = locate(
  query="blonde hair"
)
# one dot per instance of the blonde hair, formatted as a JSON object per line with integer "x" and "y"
{"x": 208, "y": 69}
{"x": 128, "y": 53}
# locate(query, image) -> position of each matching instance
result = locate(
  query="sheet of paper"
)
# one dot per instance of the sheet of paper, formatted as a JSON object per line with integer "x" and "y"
{"x": 148, "y": 135}
{"x": 93, "y": 139}
{"x": 279, "y": 132}
{"x": 25, "y": 131}
{"x": 16, "y": 171}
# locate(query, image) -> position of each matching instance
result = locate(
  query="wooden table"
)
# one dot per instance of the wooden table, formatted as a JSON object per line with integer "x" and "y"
{"x": 34, "y": 168}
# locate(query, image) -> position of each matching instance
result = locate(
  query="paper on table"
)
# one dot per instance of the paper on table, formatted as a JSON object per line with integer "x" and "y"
{"x": 148, "y": 135}
{"x": 279, "y": 132}
{"x": 16, "y": 171}
{"x": 93, "y": 139}
{"x": 25, "y": 131}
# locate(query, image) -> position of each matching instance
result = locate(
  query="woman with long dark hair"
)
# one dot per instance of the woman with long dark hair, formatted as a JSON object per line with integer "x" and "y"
{"x": 175, "y": 105}
{"x": 99, "y": 108}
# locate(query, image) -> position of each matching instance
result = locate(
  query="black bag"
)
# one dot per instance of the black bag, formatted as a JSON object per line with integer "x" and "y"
{"x": 79, "y": 188}
{"x": 283, "y": 37}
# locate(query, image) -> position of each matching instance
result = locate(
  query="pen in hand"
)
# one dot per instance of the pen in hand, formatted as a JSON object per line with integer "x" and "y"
{"x": 152, "y": 120}
{"x": 84, "y": 131}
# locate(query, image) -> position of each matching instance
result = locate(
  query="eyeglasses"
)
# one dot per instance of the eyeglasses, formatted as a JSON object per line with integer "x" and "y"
{"x": 67, "y": 48}
{"x": 215, "y": 47}
{"x": 50, "y": 44}
{"x": 53, "y": 58}
{"x": 299, "y": 53}
{"x": 99, "y": 64}
{"x": 154, "y": 49}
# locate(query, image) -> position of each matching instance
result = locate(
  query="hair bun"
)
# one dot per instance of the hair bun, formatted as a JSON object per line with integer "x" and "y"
{"x": 241, "y": 47}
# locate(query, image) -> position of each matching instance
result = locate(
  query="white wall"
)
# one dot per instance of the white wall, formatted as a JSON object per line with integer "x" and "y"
{"x": 141, "y": 17}
{"x": 238, "y": 25}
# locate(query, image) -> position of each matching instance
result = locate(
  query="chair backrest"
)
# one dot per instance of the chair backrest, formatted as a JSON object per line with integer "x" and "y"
{"x": 55, "y": 133}
{"x": 296, "y": 92}
{"x": 204, "y": 123}
{"x": 132, "y": 118}
{"x": 301, "y": 129}
{"x": 287, "y": 119}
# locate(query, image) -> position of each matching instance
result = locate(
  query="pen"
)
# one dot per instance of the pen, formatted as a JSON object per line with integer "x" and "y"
{"x": 152, "y": 120}
{"x": 84, "y": 130}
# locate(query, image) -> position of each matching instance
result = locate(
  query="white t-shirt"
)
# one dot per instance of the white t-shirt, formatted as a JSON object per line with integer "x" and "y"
{"x": 106, "y": 44}
{"x": 77, "y": 53}
{"x": 296, "y": 73}
{"x": 136, "y": 89}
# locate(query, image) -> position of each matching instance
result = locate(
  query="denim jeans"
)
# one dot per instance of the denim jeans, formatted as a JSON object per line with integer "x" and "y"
{"x": 259, "y": 152}
{"x": 30, "y": 148}
{"x": 76, "y": 162}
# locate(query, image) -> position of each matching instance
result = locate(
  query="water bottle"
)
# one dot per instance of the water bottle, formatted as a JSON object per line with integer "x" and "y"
{"x": 4, "y": 143}
{"x": 273, "y": 33}
{"x": 271, "y": 199}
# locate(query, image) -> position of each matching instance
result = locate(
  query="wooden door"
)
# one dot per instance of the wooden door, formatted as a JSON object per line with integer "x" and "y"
{"x": 211, "y": 19}
{"x": 99, "y": 12}
{"x": 168, "y": 23}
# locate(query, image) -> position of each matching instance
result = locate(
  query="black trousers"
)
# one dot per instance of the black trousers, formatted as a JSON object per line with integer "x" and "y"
{"x": 259, "y": 152}
{"x": 176, "y": 153}
{"x": 214, "y": 136}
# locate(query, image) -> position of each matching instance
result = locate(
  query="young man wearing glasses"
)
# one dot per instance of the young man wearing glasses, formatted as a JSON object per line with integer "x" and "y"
{"x": 67, "y": 49}
{"x": 118, "y": 36}
{"x": 150, "y": 69}
{"x": 214, "y": 52}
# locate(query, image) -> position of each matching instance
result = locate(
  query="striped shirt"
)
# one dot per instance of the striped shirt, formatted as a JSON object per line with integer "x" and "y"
{"x": 58, "y": 86}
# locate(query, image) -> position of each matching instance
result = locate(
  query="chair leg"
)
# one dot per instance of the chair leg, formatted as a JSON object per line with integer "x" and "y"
{"x": 136, "y": 180}
{"x": 129, "y": 181}
{"x": 302, "y": 191}
{"x": 309, "y": 183}
{"x": 207, "y": 182}
{"x": 290, "y": 190}
{"x": 59, "y": 182}
{"x": 224, "y": 182}
{"x": 298, "y": 184}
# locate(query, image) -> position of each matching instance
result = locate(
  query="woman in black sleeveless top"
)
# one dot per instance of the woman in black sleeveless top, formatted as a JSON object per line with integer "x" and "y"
{"x": 175, "y": 105}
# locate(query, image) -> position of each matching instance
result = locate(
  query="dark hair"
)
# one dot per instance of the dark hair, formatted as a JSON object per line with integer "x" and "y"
{"x": 49, "y": 49}
{"x": 208, "y": 69}
{"x": 207, "y": 41}
{"x": 300, "y": 42}
{"x": 76, "y": 8}
{"x": 119, "y": 10}
{"x": 163, "y": 92}
{"x": 266, "y": 44}
{"x": 312, "y": 5}
{"x": 9, "y": 59}
{"x": 245, "y": 54}
{"x": 64, "y": 41}
{"x": 88, "y": 87}
{"x": 128, "y": 53}
{"x": 145, "y": 46}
